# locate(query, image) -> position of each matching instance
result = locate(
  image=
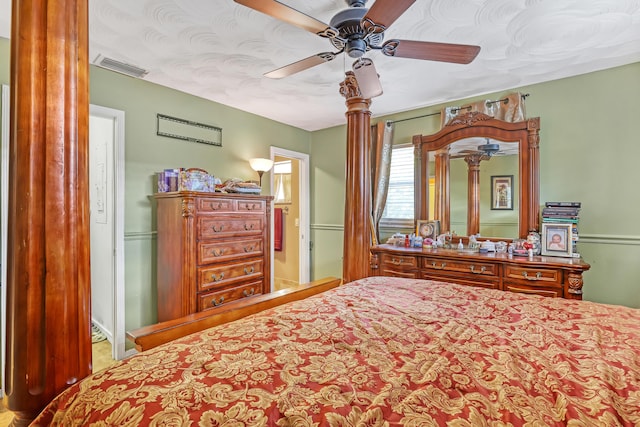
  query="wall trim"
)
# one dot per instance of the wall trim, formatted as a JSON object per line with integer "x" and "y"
{"x": 609, "y": 239}
{"x": 329, "y": 227}
{"x": 140, "y": 235}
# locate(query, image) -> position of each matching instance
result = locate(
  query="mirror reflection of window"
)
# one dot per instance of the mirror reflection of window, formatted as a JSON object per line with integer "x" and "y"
{"x": 282, "y": 174}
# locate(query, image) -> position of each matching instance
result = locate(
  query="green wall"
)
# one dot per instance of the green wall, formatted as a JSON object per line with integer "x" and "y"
{"x": 244, "y": 136}
{"x": 588, "y": 153}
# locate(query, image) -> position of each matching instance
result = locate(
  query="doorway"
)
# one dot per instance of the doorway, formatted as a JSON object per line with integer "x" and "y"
{"x": 4, "y": 215}
{"x": 106, "y": 199}
{"x": 111, "y": 242}
{"x": 290, "y": 225}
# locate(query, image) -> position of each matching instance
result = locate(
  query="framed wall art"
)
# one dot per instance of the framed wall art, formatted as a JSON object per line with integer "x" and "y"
{"x": 502, "y": 192}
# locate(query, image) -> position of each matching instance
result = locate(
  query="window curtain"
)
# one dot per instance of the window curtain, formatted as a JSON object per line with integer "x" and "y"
{"x": 381, "y": 137}
{"x": 510, "y": 108}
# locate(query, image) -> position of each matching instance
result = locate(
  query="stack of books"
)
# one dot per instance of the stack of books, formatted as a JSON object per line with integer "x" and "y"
{"x": 564, "y": 212}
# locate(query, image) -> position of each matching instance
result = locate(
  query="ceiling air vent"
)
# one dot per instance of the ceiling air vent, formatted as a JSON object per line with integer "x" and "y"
{"x": 120, "y": 67}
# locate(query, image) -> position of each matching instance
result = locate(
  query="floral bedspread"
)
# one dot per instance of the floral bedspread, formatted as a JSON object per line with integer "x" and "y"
{"x": 382, "y": 352}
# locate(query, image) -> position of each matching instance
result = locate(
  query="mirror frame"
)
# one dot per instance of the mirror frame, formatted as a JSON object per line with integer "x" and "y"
{"x": 477, "y": 124}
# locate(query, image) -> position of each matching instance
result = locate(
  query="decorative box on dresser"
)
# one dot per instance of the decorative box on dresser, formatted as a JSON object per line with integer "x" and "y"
{"x": 540, "y": 275}
{"x": 213, "y": 248}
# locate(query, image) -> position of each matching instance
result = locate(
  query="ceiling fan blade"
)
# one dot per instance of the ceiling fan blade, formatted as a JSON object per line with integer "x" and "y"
{"x": 444, "y": 52}
{"x": 301, "y": 65}
{"x": 367, "y": 78}
{"x": 383, "y": 13}
{"x": 287, "y": 14}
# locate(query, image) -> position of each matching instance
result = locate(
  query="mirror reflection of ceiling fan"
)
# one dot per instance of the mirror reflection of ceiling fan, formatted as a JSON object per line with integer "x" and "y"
{"x": 488, "y": 149}
{"x": 357, "y": 30}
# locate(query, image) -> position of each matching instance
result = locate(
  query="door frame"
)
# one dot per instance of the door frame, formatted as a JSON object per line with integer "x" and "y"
{"x": 119, "y": 334}
{"x": 4, "y": 196}
{"x": 304, "y": 229}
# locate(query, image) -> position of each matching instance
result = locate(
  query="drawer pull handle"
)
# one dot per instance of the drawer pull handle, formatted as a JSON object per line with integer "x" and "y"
{"x": 482, "y": 270}
{"x": 217, "y": 279}
{"x": 537, "y": 277}
{"x": 251, "y": 207}
{"x": 396, "y": 261}
{"x": 217, "y": 252}
{"x": 248, "y": 293}
{"x": 442, "y": 266}
{"x": 248, "y": 248}
{"x": 248, "y": 227}
{"x": 248, "y": 271}
{"x": 216, "y": 207}
{"x": 217, "y": 303}
{"x": 218, "y": 229}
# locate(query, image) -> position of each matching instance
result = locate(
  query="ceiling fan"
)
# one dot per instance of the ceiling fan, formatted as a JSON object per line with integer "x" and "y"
{"x": 356, "y": 30}
{"x": 488, "y": 149}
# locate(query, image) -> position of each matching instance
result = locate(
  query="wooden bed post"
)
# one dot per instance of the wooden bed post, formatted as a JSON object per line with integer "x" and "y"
{"x": 48, "y": 276}
{"x": 357, "y": 215}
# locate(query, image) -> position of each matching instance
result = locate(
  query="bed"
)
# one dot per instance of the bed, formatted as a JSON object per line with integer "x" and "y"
{"x": 382, "y": 351}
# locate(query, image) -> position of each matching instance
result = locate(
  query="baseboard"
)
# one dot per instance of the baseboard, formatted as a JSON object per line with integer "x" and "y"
{"x": 106, "y": 333}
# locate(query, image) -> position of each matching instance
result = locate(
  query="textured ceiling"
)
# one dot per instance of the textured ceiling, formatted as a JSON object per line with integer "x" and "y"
{"x": 219, "y": 50}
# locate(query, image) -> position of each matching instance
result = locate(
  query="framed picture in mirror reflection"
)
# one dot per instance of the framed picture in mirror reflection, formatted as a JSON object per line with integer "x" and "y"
{"x": 502, "y": 192}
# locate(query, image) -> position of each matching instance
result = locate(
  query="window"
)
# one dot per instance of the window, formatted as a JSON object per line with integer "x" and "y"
{"x": 399, "y": 209}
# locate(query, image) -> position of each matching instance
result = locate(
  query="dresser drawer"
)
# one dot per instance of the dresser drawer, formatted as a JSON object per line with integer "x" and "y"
{"x": 217, "y": 298}
{"x": 220, "y": 276}
{"x": 549, "y": 291}
{"x": 478, "y": 268}
{"x": 533, "y": 276}
{"x": 213, "y": 227}
{"x": 215, "y": 205}
{"x": 209, "y": 252}
{"x": 404, "y": 261}
{"x": 257, "y": 206}
{"x": 477, "y": 281}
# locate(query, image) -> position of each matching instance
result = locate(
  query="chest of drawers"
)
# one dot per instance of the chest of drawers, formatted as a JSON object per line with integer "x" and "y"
{"x": 213, "y": 248}
{"x": 547, "y": 276}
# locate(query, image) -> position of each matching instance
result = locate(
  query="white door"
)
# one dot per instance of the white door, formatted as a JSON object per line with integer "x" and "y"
{"x": 4, "y": 168}
{"x": 101, "y": 138}
{"x": 106, "y": 193}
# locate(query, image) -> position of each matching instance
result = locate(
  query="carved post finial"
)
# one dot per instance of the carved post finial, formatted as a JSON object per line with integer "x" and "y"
{"x": 349, "y": 87}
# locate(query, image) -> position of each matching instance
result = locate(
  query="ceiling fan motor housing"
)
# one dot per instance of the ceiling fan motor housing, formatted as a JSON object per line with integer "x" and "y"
{"x": 347, "y": 22}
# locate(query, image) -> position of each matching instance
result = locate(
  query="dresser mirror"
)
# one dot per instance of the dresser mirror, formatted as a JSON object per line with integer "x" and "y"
{"x": 486, "y": 176}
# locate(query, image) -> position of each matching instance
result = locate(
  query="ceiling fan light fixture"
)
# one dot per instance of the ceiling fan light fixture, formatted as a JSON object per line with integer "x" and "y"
{"x": 367, "y": 78}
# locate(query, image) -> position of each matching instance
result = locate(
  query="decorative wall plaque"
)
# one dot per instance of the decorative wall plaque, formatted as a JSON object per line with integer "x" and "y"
{"x": 187, "y": 130}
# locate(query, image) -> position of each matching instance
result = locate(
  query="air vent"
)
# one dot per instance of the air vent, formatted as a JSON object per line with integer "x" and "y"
{"x": 119, "y": 67}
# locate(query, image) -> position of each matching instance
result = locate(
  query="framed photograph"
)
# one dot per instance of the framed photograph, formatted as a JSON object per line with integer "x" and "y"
{"x": 502, "y": 192}
{"x": 428, "y": 228}
{"x": 557, "y": 239}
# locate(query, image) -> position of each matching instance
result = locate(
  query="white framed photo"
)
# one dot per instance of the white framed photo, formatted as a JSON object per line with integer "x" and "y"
{"x": 557, "y": 239}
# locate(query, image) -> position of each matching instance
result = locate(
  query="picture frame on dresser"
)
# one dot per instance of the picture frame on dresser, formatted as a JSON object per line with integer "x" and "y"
{"x": 428, "y": 228}
{"x": 557, "y": 239}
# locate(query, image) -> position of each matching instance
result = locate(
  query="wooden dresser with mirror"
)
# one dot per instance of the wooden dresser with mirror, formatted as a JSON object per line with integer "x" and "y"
{"x": 462, "y": 199}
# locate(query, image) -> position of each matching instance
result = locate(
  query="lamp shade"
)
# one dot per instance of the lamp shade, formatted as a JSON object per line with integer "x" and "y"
{"x": 261, "y": 165}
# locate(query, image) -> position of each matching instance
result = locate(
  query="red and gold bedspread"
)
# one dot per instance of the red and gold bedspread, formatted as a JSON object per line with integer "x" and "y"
{"x": 382, "y": 352}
